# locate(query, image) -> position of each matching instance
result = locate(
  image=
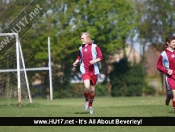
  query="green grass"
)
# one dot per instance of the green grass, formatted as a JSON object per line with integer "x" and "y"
{"x": 103, "y": 107}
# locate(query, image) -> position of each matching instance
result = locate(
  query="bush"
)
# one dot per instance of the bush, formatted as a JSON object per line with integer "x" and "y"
{"x": 100, "y": 90}
{"x": 149, "y": 90}
{"x": 126, "y": 79}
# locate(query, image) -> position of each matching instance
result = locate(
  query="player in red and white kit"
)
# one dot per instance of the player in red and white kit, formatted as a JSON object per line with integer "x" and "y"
{"x": 89, "y": 55}
{"x": 166, "y": 65}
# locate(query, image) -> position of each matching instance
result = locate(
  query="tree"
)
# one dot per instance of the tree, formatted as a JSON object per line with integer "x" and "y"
{"x": 156, "y": 21}
{"x": 108, "y": 22}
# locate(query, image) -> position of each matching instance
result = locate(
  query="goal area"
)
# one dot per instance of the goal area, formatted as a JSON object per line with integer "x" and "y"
{"x": 14, "y": 84}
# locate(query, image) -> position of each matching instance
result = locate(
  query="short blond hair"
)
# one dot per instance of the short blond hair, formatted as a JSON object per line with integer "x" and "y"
{"x": 88, "y": 36}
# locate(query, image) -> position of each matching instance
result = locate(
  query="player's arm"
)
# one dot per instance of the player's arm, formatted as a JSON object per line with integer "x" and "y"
{"x": 99, "y": 56}
{"x": 77, "y": 60}
{"x": 94, "y": 61}
{"x": 161, "y": 68}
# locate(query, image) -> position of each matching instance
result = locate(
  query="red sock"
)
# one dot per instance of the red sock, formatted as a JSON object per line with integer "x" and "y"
{"x": 91, "y": 99}
{"x": 86, "y": 95}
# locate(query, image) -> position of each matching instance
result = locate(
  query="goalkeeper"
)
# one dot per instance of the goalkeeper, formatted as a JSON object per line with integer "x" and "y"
{"x": 89, "y": 55}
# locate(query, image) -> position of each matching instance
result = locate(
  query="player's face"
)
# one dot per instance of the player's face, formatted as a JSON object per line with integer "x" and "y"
{"x": 84, "y": 39}
{"x": 171, "y": 45}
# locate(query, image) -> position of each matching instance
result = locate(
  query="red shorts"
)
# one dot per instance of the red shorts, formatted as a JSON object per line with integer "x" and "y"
{"x": 93, "y": 78}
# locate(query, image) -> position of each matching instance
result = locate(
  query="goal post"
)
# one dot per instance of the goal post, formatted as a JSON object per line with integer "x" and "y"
{"x": 50, "y": 69}
{"x": 19, "y": 55}
{"x": 18, "y": 70}
{"x": 18, "y": 66}
{"x": 26, "y": 78}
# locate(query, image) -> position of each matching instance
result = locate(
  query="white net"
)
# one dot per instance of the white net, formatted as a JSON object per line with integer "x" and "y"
{"x": 8, "y": 73}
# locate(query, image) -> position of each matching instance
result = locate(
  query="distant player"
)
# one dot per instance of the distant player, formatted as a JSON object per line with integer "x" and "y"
{"x": 89, "y": 55}
{"x": 166, "y": 65}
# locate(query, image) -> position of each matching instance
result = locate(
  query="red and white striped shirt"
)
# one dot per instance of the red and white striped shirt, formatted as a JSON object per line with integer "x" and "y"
{"x": 165, "y": 62}
{"x": 89, "y": 52}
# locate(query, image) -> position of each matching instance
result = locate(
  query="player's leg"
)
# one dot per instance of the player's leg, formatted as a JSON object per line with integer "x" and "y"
{"x": 173, "y": 100}
{"x": 92, "y": 95}
{"x": 86, "y": 93}
{"x": 94, "y": 81}
{"x": 169, "y": 94}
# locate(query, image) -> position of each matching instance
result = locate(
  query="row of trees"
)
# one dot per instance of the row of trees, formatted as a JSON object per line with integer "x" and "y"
{"x": 109, "y": 22}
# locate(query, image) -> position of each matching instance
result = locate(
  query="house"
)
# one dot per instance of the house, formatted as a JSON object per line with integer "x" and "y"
{"x": 151, "y": 56}
{"x": 154, "y": 77}
{"x": 131, "y": 53}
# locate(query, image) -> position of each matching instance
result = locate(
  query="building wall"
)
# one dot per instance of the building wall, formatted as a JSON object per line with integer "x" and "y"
{"x": 151, "y": 56}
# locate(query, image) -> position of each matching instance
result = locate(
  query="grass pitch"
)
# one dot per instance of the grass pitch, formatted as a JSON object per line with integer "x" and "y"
{"x": 103, "y": 107}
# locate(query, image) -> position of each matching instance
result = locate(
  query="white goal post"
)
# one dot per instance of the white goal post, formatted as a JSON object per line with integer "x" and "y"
{"x": 19, "y": 55}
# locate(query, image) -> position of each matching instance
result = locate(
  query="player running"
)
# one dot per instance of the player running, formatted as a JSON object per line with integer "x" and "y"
{"x": 89, "y": 55}
{"x": 166, "y": 65}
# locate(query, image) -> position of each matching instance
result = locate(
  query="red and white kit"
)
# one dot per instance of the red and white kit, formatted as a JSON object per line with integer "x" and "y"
{"x": 89, "y": 52}
{"x": 165, "y": 62}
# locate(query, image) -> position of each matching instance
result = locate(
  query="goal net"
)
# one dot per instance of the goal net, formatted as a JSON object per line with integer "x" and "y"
{"x": 14, "y": 86}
